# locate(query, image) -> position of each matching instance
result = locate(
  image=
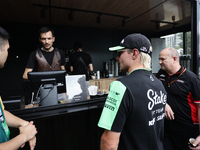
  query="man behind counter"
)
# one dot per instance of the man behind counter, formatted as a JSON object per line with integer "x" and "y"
{"x": 46, "y": 58}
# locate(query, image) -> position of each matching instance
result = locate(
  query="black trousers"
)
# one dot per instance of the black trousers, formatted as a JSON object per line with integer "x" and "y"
{"x": 176, "y": 142}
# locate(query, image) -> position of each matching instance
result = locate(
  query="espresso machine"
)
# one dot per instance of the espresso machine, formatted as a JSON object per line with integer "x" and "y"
{"x": 110, "y": 68}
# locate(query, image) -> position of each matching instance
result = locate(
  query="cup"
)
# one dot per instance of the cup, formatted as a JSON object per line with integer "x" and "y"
{"x": 93, "y": 77}
{"x": 191, "y": 141}
{"x": 93, "y": 90}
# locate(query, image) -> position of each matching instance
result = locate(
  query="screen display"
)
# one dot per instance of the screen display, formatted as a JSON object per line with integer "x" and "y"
{"x": 57, "y": 76}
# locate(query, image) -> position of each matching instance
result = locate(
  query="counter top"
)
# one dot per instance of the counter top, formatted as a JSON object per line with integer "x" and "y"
{"x": 59, "y": 109}
{"x": 103, "y": 84}
{"x": 112, "y": 78}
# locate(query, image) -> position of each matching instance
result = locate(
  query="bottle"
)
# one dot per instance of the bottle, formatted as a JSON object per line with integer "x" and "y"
{"x": 98, "y": 74}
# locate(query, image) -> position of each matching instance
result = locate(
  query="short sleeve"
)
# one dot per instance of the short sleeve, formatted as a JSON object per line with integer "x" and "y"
{"x": 1, "y": 103}
{"x": 195, "y": 89}
{"x": 71, "y": 59}
{"x": 112, "y": 117}
{"x": 31, "y": 60}
{"x": 90, "y": 59}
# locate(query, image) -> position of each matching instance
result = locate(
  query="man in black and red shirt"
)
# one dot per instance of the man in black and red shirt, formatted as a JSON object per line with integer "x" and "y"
{"x": 183, "y": 101}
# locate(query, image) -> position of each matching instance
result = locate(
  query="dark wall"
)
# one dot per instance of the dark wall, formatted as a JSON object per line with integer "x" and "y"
{"x": 24, "y": 39}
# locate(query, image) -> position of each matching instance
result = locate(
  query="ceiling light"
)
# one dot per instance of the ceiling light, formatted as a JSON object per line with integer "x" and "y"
{"x": 173, "y": 18}
{"x": 98, "y": 19}
{"x": 42, "y": 13}
{"x": 123, "y": 22}
{"x": 157, "y": 25}
{"x": 70, "y": 16}
{"x": 158, "y": 22}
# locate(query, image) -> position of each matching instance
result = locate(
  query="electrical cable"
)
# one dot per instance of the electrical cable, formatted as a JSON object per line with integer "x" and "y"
{"x": 36, "y": 97}
{"x": 47, "y": 94}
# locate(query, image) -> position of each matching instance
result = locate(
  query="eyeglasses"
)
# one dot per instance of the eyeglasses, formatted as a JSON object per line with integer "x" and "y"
{"x": 119, "y": 52}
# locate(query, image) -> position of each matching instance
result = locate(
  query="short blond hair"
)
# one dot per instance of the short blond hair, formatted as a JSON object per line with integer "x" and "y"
{"x": 145, "y": 59}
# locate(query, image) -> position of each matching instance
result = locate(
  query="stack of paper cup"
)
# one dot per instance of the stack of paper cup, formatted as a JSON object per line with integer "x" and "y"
{"x": 93, "y": 90}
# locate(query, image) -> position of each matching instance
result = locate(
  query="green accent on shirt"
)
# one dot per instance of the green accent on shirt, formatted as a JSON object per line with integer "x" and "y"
{"x": 139, "y": 69}
{"x": 4, "y": 130}
{"x": 112, "y": 104}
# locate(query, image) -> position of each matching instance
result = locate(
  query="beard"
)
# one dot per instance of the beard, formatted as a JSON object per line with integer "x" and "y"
{"x": 47, "y": 48}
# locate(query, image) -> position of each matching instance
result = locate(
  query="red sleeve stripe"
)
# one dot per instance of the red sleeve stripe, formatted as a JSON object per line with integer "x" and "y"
{"x": 194, "y": 111}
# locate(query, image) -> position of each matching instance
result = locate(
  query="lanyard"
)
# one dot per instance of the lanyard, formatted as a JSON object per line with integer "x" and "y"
{"x": 175, "y": 79}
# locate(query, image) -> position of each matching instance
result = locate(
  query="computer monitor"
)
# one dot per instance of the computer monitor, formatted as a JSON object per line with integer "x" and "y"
{"x": 48, "y": 84}
{"x": 37, "y": 77}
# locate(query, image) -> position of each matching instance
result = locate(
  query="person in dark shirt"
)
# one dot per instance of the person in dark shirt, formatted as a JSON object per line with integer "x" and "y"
{"x": 81, "y": 63}
{"x": 133, "y": 114}
{"x": 196, "y": 144}
{"x": 47, "y": 57}
{"x": 183, "y": 101}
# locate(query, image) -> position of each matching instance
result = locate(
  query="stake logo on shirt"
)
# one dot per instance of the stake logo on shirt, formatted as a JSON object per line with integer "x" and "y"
{"x": 156, "y": 99}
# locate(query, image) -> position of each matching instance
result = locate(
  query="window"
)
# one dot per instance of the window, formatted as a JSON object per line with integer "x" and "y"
{"x": 188, "y": 43}
{"x": 177, "y": 41}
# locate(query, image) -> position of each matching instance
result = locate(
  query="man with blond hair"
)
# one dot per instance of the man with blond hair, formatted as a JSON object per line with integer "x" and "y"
{"x": 133, "y": 114}
{"x": 183, "y": 101}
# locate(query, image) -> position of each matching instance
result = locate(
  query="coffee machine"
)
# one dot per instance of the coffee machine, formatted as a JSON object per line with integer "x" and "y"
{"x": 111, "y": 68}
